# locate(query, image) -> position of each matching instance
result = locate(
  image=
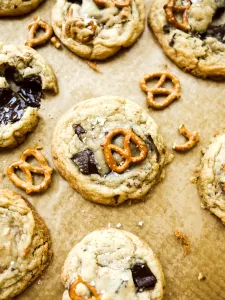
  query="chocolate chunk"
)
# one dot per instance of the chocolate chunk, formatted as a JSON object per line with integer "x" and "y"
{"x": 166, "y": 28}
{"x": 79, "y": 130}
{"x": 152, "y": 146}
{"x": 79, "y": 2}
{"x": 219, "y": 12}
{"x": 172, "y": 42}
{"x": 143, "y": 277}
{"x": 217, "y": 32}
{"x": 85, "y": 160}
{"x": 13, "y": 104}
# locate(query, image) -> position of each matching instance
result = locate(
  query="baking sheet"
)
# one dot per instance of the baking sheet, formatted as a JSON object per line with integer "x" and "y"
{"x": 173, "y": 204}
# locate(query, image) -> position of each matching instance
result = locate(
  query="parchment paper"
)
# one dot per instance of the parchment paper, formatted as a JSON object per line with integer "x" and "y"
{"x": 173, "y": 204}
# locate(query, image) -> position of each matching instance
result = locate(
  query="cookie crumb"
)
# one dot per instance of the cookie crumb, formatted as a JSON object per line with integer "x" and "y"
{"x": 109, "y": 225}
{"x": 118, "y": 225}
{"x": 201, "y": 277}
{"x": 193, "y": 180}
{"x": 184, "y": 240}
{"x": 140, "y": 223}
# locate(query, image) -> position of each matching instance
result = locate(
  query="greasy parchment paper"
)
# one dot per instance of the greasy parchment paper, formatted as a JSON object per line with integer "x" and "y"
{"x": 174, "y": 203}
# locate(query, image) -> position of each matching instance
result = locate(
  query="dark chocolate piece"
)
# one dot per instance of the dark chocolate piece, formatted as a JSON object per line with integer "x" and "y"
{"x": 152, "y": 146}
{"x": 166, "y": 28}
{"x": 79, "y": 130}
{"x": 143, "y": 277}
{"x": 13, "y": 104}
{"x": 85, "y": 160}
{"x": 79, "y": 2}
{"x": 172, "y": 42}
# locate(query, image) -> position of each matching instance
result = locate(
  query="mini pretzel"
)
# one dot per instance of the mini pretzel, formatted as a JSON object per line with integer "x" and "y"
{"x": 103, "y": 3}
{"x": 129, "y": 136}
{"x": 73, "y": 295}
{"x": 27, "y": 169}
{"x": 33, "y": 28}
{"x": 193, "y": 139}
{"x": 158, "y": 90}
{"x": 74, "y": 25}
{"x": 171, "y": 8}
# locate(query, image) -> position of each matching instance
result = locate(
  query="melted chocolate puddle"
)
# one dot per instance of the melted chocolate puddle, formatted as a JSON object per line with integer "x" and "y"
{"x": 14, "y": 103}
{"x": 143, "y": 277}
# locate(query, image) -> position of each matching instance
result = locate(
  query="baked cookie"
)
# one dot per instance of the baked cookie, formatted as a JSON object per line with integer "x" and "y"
{"x": 17, "y": 7}
{"x": 193, "y": 43}
{"x": 25, "y": 244}
{"x": 79, "y": 154}
{"x": 97, "y": 29}
{"x": 211, "y": 177}
{"x": 112, "y": 264}
{"x": 23, "y": 76}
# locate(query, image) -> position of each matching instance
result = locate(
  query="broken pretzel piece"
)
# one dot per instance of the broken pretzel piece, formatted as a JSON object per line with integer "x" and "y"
{"x": 33, "y": 28}
{"x": 27, "y": 169}
{"x": 193, "y": 139}
{"x": 73, "y": 295}
{"x": 171, "y": 9}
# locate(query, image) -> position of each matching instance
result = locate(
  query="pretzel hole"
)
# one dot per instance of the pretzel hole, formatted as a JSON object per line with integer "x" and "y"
{"x": 39, "y": 32}
{"x": 168, "y": 84}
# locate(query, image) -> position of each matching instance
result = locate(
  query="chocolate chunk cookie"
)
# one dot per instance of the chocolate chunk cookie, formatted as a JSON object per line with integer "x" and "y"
{"x": 190, "y": 36}
{"x": 23, "y": 76}
{"x": 112, "y": 264}
{"x": 97, "y": 29}
{"x": 17, "y": 7}
{"x": 211, "y": 177}
{"x": 25, "y": 244}
{"x": 83, "y": 158}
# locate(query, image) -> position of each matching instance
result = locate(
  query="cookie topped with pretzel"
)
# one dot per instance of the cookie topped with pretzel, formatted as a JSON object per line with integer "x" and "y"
{"x": 109, "y": 149}
{"x": 97, "y": 29}
{"x": 192, "y": 34}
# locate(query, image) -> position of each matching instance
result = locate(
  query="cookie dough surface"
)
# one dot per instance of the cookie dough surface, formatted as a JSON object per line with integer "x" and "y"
{"x": 97, "y": 32}
{"x": 106, "y": 259}
{"x": 19, "y": 110}
{"x": 211, "y": 177}
{"x": 25, "y": 245}
{"x": 201, "y": 50}
{"x": 17, "y": 7}
{"x": 79, "y": 157}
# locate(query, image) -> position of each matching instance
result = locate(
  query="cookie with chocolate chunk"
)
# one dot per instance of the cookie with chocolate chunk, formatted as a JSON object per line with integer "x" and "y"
{"x": 97, "y": 29}
{"x": 23, "y": 76}
{"x": 191, "y": 35}
{"x": 25, "y": 244}
{"x": 112, "y": 264}
{"x": 79, "y": 153}
{"x": 211, "y": 177}
{"x": 17, "y": 7}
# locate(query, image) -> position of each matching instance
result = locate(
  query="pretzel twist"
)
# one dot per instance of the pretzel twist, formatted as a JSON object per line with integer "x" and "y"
{"x": 27, "y": 168}
{"x": 73, "y": 295}
{"x": 193, "y": 139}
{"x": 129, "y": 136}
{"x": 33, "y": 28}
{"x": 171, "y": 8}
{"x": 159, "y": 90}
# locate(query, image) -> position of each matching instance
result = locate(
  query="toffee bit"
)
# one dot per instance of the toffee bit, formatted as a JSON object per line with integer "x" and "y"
{"x": 184, "y": 240}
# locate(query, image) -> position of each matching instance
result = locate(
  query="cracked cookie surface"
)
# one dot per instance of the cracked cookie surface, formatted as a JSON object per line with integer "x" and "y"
{"x": 200, "y": 50}
{"x": 79, "y": 157}
{"x": 17, "y": 7}
{"x": 117, "y": 263}
{"x": 98, "y": 32}
{"x": 23, "y": 76}
{"x": 211, "y": 177}
{"x": 25, "y": 245}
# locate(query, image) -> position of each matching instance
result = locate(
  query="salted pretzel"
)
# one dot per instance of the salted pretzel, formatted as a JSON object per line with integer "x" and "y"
{"x": 33, "y": 28}
{"x": 74, "y": 296}
{"x": 159, "y": 90}
{"x": 27, "y": 169}
{"x": 73, "y": 27}
{"x": 129, "y": 136}
{"x": 193, "y": 139}
{"x": 118, "y": 4}
{"x": 171, "y": 9}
